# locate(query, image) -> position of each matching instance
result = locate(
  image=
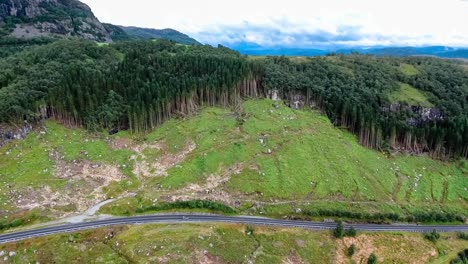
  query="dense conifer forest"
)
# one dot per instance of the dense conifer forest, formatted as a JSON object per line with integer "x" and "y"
{"x": 137, "y": 85}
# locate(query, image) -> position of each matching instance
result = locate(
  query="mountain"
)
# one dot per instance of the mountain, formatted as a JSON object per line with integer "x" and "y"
{"x": 39, "y": 18}
{"x": 116, "y": 32}
{"x": 438, "y": 51}
{"x": 257, "y": 50}
{"x": 150, "y": 33}
{"x": 31, "y": 19}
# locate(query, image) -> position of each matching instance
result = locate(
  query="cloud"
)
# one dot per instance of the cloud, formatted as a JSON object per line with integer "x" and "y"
{"x": 278, "y": 34}
{"x": 302, "y": 23}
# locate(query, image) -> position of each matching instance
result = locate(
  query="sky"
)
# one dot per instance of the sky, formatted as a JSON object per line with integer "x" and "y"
{"x": 299, "y": 23}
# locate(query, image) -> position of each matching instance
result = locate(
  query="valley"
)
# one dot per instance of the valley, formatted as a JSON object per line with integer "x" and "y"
{"x": 129, "y": 144}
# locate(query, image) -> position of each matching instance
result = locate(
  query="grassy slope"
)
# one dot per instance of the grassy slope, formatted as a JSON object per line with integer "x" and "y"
{"x": 227, "y": 243}
{"x": 289, "y": 159}
{"x": 408, "y": 69}
{"x": 310, "y": 160}
{"x": 409, "y": 95}
{"x": 30, "y": 163}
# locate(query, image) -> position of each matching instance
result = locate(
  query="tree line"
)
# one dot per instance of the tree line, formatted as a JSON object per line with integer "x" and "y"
{"x": 137, "y": 85}
{"x": 353, "y": 91}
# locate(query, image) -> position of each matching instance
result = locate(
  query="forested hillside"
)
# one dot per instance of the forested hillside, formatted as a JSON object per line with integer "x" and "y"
{"x": 415, "y": 104}
{"x": 367, "y": 95}
{"x": 151, "y": 33}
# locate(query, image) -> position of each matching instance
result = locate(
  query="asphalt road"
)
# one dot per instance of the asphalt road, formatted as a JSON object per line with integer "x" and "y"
{"x": 201, "y": 218}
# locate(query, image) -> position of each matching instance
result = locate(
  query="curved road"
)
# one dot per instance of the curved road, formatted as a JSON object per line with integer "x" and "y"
{"x": 205, "y": 218}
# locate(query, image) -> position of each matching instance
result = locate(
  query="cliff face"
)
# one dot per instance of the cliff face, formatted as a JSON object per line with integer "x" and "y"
{"x": 36, "y": 18}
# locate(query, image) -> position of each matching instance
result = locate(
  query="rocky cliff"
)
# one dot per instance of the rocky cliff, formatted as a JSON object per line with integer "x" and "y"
{"x": 36, "y": 18}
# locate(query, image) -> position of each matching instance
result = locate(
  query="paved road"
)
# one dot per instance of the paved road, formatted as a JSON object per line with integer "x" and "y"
{"x": 201, "y": 218}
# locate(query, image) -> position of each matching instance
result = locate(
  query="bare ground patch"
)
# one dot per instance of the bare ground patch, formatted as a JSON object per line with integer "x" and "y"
{"x": 395, "y": 249}
{"x": 203, "y": 257}
{"x": 293, "y": 258}
{"x": 83, "y": 189}
{"x": 120, "y": 143}
{"x": 210, "y": 189}
{"x": 158, "y": 167}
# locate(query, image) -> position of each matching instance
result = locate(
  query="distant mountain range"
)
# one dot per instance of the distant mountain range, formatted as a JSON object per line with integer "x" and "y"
{"x": 438, "y": 51}
{"x": 29, "y": 19}
{"x": 151, "y": 33}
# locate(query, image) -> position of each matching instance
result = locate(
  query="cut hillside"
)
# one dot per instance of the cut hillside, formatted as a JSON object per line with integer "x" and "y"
{"x": 264, "y": 159}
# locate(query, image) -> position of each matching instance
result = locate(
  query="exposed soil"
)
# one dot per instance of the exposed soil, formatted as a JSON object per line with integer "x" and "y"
{"x": 293, "y": 258}
{"x": 84, "y": 188}
{"x": 158, "y": 167}
{"x": 203, "y": 257}
{"x": 210, "y": 189}
{"x": 367, "y": 244}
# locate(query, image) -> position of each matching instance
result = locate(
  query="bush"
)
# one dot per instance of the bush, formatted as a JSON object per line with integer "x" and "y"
{"x": 194, "y": 204}
{"x": 463, "y": 236}
{"x": 351, "y": 250}
{"x": 16, "y": 223}
{"x": 351, "y": 232}
{"x": 339, "y": 230}
{"x": 432, "y": 236}
{"x": 462, "y": 258}
{"x": 372, "y": 259}
{"x": 249, "y": 230}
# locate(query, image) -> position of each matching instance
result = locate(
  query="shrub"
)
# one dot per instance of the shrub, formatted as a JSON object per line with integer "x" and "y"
{"x": 372, "y": 259}
{"x": 339, "y": 230}
{"x": 194, "y": 204}
{"x": 462, "y": 258}
{"x": 432, "y": 236}
{"x": 16, "y": 223}
{"x": 249, "y": 230}
{"x": 351, "y": 232}
{"x": 351, "y": 250}
{"x": 463, "y": 236}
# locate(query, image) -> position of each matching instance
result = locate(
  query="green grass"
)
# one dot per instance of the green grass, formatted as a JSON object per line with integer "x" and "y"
{"x": 408, "y": 69}
{"x": 299, "y": 156}
{"x": 309, "y": 157}
{"x": 296, "y": 158}
{"x": 226, "y": 243}
{"x": 409, "y": 95}
{"x": 176, "y": 244}
{"x": 30, "y": 163}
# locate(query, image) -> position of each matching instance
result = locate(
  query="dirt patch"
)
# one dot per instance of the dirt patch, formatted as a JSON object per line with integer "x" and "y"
{"x": 158, "y": 167}
{"x": 399, "y": 249}
{"x": 293, "y": 258}
{"x": 83, "y": 189}
{"x": 203, "y": 257}
{"x": 120, "y": 143}
{"x": 210, "y": 189}
{"x": 300, "y": 243}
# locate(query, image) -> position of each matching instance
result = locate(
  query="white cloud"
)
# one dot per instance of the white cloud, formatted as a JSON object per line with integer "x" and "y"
{"x": 384, "y": 22}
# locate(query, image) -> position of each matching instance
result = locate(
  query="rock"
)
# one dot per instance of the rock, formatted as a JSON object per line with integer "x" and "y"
{"x": 2, "y": 253}
{"x": 12, "y": 253}
{"x": 298, "y": 210}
